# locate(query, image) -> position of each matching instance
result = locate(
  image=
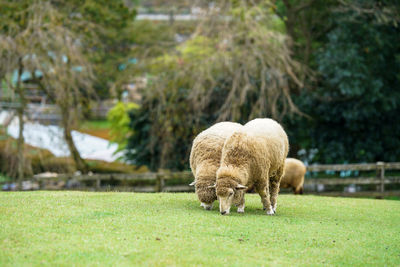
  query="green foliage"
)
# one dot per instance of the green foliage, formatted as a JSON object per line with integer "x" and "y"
{"x": 4, "y": 178}
{"x": 147, "y": 146}
{"x": 111, "y": 45}
{"x": 146, "y": 40}
{"x": 119, "y": 123}
{"x": 125, "y": 229}
{"x": 98, "y": 166}
{"x": 102, "y": 27}
{"x": 307, "y": 22}
{"x": 235, "y": 70}
{"x": 355, "y": 107}
{"x": 95, "y": 125}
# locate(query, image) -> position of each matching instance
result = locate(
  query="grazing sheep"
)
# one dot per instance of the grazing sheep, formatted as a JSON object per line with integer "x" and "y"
{"x": 253, "y": 156}
{"x": 294, "y": 175}
{"x": 205, "y": 158}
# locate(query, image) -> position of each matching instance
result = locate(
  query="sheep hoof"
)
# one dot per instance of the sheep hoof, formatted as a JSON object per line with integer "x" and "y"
{"x": 270, "y": 212}
{"x": 206, "y": 206}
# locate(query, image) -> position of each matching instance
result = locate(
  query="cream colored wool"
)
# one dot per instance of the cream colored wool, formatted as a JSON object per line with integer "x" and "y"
{"x": 205, "y": 159}
{"x": 253, "y": 156}
{"x": 294, "y": 175}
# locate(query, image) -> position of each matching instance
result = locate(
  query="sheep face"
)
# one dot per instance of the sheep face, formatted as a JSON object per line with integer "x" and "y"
{"x": 225, "y": 197}
{"x": 229, "y": 192}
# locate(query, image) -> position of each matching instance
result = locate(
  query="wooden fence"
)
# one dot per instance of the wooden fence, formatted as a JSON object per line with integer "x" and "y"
{"x": 380, "y": 179}
{"x": 101, "y": 182}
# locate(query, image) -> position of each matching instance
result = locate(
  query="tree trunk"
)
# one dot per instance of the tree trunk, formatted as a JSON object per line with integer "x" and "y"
{"x": 290, "y": 22}
{"x": 20, "y": 141}
{"x": 79, "y": 161}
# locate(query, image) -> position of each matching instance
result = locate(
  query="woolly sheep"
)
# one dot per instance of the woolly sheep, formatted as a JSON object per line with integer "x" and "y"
{"x": 205, "y": 158}
{"x": 294, "y": 175}
{"x": 253, "y": 156}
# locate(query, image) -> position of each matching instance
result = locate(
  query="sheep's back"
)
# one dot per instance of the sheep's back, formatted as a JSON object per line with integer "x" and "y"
{"x": 207, "y": 146}
{"x": 269, "y": 135}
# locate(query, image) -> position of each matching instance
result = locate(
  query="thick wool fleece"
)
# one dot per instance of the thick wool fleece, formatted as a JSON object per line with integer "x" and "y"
{"x": 294, "y": 175}
{"x": 205, "y": 158}
{"x": 254, "y": 156}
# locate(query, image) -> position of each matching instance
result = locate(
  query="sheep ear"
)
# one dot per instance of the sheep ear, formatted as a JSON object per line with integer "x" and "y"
{"x": 192, "y": 183}
{"x": 212, "y": 186}
{"x": 241, "y": 187}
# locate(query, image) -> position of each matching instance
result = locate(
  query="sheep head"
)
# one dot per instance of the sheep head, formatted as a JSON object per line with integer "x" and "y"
{"x": 228, "y": 192}
{"x": 205, "y": 192}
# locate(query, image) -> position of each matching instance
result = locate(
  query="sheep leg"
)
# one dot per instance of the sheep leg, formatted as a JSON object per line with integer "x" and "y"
{"x": 274, "y": 190}
{"x": 240, "y": 207}
{"x": 263, "y": 191}
{"x": 274, "y": 187}
{"x": 206, "y": 206}
{"x": 298, "y": 190}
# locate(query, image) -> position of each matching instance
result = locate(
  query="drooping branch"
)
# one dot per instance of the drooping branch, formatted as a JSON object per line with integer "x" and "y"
{"x": 46, "y": 46}
{"x": 236, "y": 66}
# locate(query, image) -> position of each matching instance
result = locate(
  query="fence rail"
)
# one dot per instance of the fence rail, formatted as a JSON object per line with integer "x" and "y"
{"x": 354, "y": 167}
{"x": 158, "y": 180}
{"x": 379, "y": 166}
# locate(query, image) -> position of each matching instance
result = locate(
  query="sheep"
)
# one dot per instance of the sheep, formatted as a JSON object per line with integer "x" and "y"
{"x": 294, "y": 175}
{"x": 205, "y": 158}
{"x": 253, "y": 156}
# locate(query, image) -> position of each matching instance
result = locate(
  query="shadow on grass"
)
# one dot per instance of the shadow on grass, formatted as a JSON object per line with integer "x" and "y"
{"x": 194, "y": 206}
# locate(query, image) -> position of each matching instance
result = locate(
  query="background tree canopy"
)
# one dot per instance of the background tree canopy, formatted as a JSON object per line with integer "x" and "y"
{"x": 328, "y": 70}
{"x": 236, "y": 66}
{"x": 103, "y": 25}
{"x": 341, "y": 105}
{"x": 355, "y": 103}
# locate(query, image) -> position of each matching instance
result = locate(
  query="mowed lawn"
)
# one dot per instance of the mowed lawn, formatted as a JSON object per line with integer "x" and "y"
{"x": 125, "y": 229}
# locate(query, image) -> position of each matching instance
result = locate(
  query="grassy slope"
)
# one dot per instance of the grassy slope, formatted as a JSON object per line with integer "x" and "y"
{"x": 99, "y": 128}
{"x": 64, "y": 228}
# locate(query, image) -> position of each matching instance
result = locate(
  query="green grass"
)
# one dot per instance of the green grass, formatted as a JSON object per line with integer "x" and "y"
{"x": 99, "y": 128}
{"x": 96, "y": 124}
{"x": 125, "y": 229}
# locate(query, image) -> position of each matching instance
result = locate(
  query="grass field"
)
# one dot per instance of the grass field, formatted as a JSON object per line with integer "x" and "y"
{"x": 99, "y": 128}
{"x": 125, "y": 229}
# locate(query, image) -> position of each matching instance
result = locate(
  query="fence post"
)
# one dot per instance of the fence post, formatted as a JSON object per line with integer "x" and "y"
{"x": 98, "y": 183}
{"x": 159, "y": 182}
{"x": 380, "y": 166}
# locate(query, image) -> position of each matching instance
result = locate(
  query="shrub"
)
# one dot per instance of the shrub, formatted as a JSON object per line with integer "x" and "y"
{"x": 58, "y": 165}
{"x": 39, "y": 160}
{"x": 98, "y": 166}
{"x": 9, "y": 160}
{"x": 119, "y": 120}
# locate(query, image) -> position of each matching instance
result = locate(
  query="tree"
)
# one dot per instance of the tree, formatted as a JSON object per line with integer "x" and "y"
{"x": 40, "y": 43}
{"x": 12, "y": 53}
{"x": 307, "y": 23}
{"x": 236, "y": 66}
{"x": 355, "y": 104}
{"x": 105, "y": 26}
{"x": 11, "y": 58}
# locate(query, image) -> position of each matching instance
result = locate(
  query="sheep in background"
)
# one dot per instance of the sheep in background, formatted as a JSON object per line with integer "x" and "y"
{"x": 294, "y": 175}
{"x": 205, "y": 159}
{"x": 252, "y": 156}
